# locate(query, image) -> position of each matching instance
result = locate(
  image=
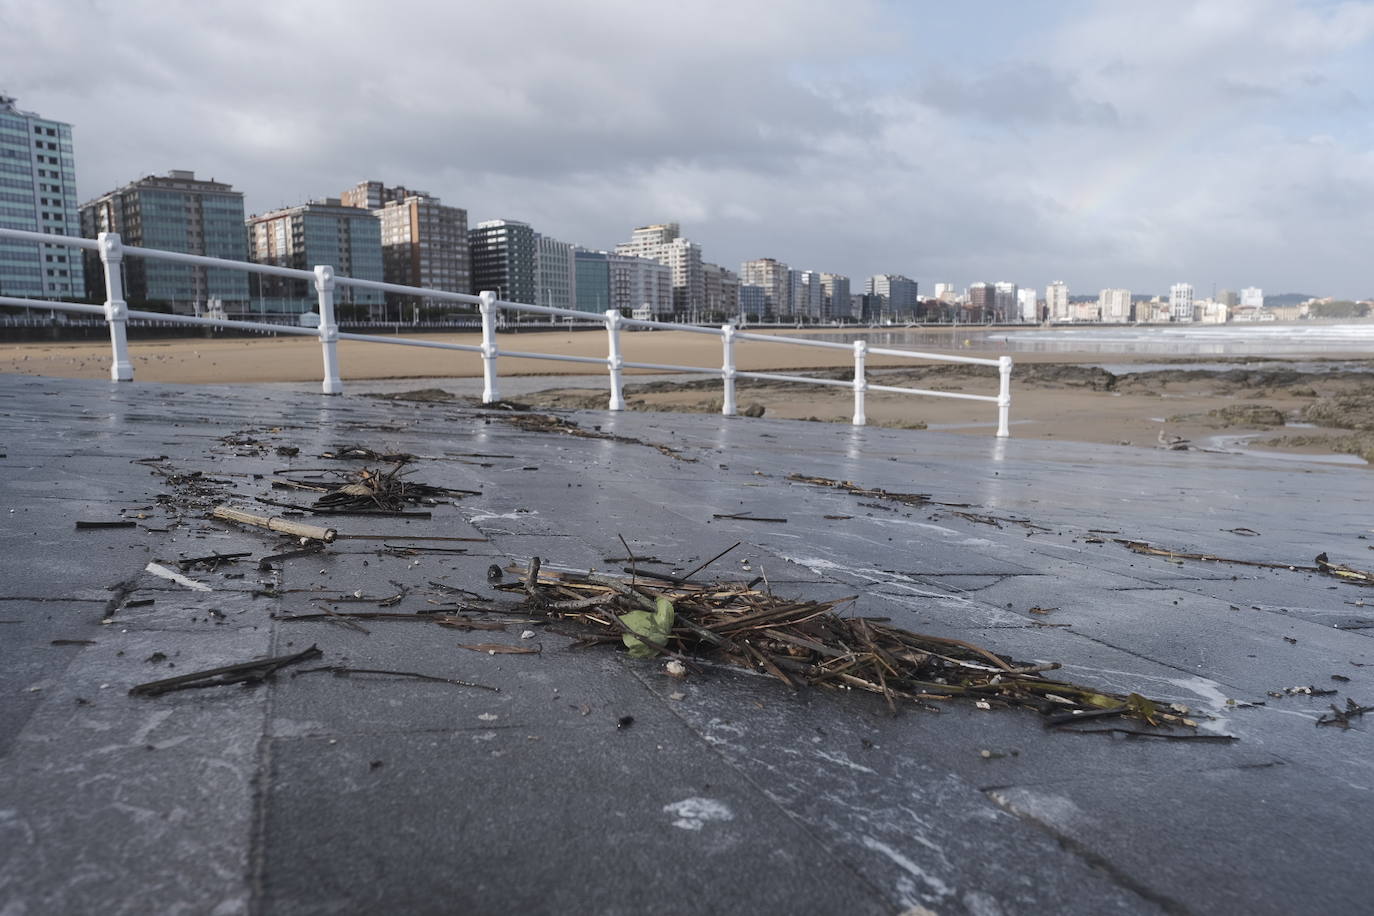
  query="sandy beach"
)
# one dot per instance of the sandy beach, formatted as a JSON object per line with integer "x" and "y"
{"x": 1054, "y": 395}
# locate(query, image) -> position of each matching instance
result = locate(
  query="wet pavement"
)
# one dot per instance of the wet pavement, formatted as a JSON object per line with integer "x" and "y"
{"x": 322, "y": 794}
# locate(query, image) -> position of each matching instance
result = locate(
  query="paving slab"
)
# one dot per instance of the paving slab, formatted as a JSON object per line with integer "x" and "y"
{"x": 324, "y": 791}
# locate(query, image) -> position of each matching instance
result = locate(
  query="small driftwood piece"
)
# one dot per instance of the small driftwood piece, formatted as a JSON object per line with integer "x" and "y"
{"x": 275, "y": 523}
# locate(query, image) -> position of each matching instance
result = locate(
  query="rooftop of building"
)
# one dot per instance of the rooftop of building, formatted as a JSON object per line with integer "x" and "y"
{"x": 499, "y": 223}
{"x": 10, "y": 105}
{"x": 593, "y": 782}
{"x": 329, "y": 204}
{"x": 174, "y": 180}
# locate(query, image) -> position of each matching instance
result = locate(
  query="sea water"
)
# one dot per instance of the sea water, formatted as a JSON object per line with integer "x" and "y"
{"x": 1268, "y": 339}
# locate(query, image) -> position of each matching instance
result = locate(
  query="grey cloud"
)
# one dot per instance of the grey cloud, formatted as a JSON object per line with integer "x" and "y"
{"x": 1024, "y": 93}
{"x": 746, "y": 122}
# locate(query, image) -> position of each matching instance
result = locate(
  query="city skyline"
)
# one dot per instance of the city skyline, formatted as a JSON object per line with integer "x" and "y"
{"x": 1105, "y": 144}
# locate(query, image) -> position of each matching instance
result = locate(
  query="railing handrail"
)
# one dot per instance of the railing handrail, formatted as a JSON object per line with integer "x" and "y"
{"x": 117, "y": 313}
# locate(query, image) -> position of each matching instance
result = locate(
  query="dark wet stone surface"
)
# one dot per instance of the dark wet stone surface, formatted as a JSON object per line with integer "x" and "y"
{"x": 315, "y": 793}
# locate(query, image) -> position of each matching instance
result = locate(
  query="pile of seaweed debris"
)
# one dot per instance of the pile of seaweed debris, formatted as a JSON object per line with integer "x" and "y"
{"x": 806, "y": 643}
{"x": 369, "y": 490}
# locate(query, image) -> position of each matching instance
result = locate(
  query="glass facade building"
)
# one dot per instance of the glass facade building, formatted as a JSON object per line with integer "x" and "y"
{"x": 38, "y": 194}
{"x": 593, "y": 275}
{"x": 349, "y": 239}
{"x": 173, "y": 212}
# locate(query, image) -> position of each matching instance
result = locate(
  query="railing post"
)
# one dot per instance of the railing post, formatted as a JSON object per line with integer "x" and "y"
{"x": 489, "y": 352}
{"x": 727, "y": 370}
{"x": 116, "y": 309}
{"x": 329, "y": 329}
{"x": 614, "y": 361}
{"x": 860, "y": 382}
{"x": 1004, "y": 397}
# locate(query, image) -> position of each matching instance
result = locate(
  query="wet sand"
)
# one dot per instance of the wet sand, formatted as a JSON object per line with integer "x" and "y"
{"x": 1047, "y": 402}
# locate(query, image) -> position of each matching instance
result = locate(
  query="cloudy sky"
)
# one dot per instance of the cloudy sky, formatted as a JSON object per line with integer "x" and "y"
{"x": 1227, "y": 143}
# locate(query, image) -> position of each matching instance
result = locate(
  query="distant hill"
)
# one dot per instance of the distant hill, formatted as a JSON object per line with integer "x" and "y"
{"x": 1287, "y": 299}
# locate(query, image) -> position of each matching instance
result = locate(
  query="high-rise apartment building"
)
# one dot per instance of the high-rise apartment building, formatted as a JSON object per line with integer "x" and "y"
{"x": 837, "y": 305}
{"x": 980, "y": 301}
{"x": 663, "y": 242}
{"x": 174, "y": 212}
{"x": 38, "y": 194}
{"x": 945, "y": 292}
{"x": 1057, "y": 301}
{"x": 1252, "y": 297}
{"x": 1181, "y": 302}
{"x": 900, "y": 295}
{"x": 1004, "y": 302}
{"x": 1228, "y": 298}
{"x": 808, "y": 297}
{"x": 642, "y": 287}
{"x": 503, "y": 253}
{"x": 1114, "y": 305}
{"x": 349, "y": 239}
{"x": 424, "y": 242}
{"x": 775, "y": 279}
{"x": 1027, "y": 306}
{"x": 722, "y": 292}
{"x": 555, "y": 280}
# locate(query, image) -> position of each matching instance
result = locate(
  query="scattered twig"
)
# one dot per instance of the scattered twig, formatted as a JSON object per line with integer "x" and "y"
{"x": 1342, "y": 717}
{"x": 500, "y": 648}
{"x": 695, "y": 570}
{"x": 312, "y": 548}
{"x": 1151, "y": 550}
{"x": 409, "y": 537}
{"x": 1137, "y": 733}
{"x": 244, "y": 672}
{"x": 345, "y": 671}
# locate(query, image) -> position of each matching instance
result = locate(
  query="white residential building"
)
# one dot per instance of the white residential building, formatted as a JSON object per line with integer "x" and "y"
{"x": 1057, "y": 301}
{"x": 774, "y": 278}
{"x": 1212, "y": 312}
{"x": 1252, "y": 297}
{"x": 1181, "y": 302}
{"x": 1004, "y": 301}
{"x": 1114, "y": 305}
{"x": 640, "y": 286}
{"x": 946, "y": 292}
{"x": 663, "y": 242}
{"x": 1030, "y": 308}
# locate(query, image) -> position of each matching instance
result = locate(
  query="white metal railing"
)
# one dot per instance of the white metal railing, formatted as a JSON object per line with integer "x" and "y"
{"x": 117, "y": 313}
